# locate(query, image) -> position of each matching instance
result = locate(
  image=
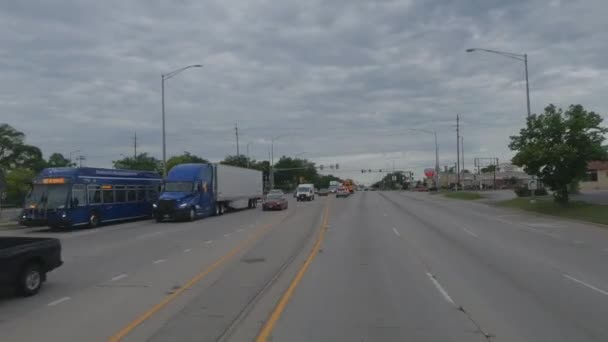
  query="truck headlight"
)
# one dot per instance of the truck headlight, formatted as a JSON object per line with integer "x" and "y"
{"x": 154, "y": 205}
{"x": 63, "y": 215}
{"x": 183, "y": 205}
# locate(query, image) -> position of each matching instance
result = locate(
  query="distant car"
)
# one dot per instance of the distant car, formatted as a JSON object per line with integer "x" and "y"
{"x": 342, "y": 192}
{"x": 332, "y": 189}
{"x": 274, "y": 201}
{"x": 275, "y": 191}
{"x": 323, "y": 192}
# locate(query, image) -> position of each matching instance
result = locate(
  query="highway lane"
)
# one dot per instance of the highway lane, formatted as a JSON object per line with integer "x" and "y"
{"x": 404, "y": 266}
{"x": 114, "y": 273}
{"x": 377, "y": 266}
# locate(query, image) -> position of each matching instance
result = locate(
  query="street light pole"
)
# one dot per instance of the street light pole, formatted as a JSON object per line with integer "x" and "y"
{"x": 272, "y": 159}
{"x": 516, "y": 56}
{"x": 163, "y": 78}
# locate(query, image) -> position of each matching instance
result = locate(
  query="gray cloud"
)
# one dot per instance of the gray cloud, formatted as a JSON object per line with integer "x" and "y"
{"x": 343, "y": 79}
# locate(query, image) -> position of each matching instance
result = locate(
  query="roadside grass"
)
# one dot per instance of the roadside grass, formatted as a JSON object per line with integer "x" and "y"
{"x": 463, "y": 195}
{"x": 595, "y": 213}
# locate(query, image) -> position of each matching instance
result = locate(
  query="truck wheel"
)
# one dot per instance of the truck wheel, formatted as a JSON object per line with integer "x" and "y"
{"x": 30, "y": 280}
{"x": 192, "y": 215}
{"x": 219, "y": 209}
{"x": 159, "y": 218}
{"x": 94, "y": 220}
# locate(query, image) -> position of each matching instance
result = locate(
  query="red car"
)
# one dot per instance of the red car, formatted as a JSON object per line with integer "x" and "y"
{"x": 274, "y": 201}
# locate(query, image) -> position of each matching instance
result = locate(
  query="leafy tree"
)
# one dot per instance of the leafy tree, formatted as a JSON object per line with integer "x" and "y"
{"x": 18, "y": 185}
{"x": 58, "y": 160}
{"x": 185, "y": 158}
{"x": 14, "y": 153}
{"x": 323, "y": 181}
{"x": 142, "y": 162}
{"x": 289, "y": 172}
{"x": 557, "y": 145}
{"x": 240, "y": 161}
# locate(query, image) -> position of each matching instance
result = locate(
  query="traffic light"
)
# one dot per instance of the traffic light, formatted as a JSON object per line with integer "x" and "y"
{"x": 321, "y": 167}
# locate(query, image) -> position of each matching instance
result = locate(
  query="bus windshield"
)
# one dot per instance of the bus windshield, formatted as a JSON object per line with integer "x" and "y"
{"x": 47, "y": 196}
{"x": 179, "y": 187}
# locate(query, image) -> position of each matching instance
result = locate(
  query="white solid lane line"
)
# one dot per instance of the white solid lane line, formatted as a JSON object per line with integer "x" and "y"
{"x": 59, "y": 301}
{"x": 440, "y": 288}
{"x": 240, "y": 230}
{"x": 228, "y": 234}
{"x": 396, "y": 231}
{"x": 209, "y": 241}
{"x": 187, "y": 250}
{"x": 468, "y": 231}
{"x": 597, "y": 289}
{"x": 118, "y": 277}
{"x": 159, "y": 261}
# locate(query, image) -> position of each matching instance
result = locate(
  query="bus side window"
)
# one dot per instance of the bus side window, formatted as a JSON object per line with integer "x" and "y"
{"x": 94, "y": 194}
{"x": 108, "y": 196}
{"x": 141, "y": 193}
{"x": 79, "y": 196}
{"x": 152, "y": 193}
{"x": 131, "y": 193}
{"x": 120, "y": 194}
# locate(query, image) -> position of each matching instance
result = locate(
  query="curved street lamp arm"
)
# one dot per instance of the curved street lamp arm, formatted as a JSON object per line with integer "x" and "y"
{"x": 175, "y": 72}
{"x": 516, "y": 56}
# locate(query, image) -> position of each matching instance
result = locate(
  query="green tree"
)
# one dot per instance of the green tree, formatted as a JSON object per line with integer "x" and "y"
{"x": 14, "y": 153}
{"x": 323, "y": 181}
{"x": 58, "y": 160}
{"x": 557, "y": 145}
{"x": 184, "y": 158}
{"x": 142, "y": 162}
{"x": 289, "y": 172}
{"x": 18, "y": 185}
{"x": 240, "y": 161}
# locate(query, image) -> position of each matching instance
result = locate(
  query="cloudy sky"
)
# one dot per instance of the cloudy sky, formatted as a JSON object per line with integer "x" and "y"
{"x": 342, "y": 81}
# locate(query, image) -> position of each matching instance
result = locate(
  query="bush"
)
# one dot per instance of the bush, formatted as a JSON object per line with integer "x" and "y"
{"x": 524, "y": 192}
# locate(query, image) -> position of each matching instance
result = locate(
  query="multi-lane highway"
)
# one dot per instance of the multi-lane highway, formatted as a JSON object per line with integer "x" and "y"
{"x": 377, "y": 266}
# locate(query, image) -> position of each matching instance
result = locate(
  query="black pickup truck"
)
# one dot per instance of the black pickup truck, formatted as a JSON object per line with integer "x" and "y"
{"x": 25, "y": 261}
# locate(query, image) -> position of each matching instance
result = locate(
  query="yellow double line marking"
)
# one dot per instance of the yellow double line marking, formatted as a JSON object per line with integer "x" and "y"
{"x": 170, "y": 298}
{"x": 286, "y": 297}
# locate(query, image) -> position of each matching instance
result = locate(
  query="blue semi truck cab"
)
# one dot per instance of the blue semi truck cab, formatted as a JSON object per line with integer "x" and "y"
{"x": 191, "y": 191}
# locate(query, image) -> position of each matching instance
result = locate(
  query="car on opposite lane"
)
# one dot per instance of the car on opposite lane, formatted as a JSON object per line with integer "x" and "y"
{"x": 275, "y": 201}
{"x": 323, "y": 192}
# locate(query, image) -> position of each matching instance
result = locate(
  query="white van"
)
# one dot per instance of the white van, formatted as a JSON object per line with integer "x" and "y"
{"x": 305, "y": 192}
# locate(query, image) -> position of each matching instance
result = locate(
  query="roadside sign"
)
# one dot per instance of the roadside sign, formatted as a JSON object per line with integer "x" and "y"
{"x": 532, "y": 184}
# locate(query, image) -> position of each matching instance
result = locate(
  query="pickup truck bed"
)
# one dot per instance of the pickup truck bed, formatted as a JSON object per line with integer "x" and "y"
{"x": 24, "y": 262}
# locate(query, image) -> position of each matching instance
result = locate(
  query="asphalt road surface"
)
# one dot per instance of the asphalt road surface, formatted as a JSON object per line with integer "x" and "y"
{"x": 377, "y": 266}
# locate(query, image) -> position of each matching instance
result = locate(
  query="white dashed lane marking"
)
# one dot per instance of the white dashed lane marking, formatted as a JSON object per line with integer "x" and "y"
{"x": 118, "y": 277}
{"x": 59, "y": 301}
{"x": 159, "y": 261}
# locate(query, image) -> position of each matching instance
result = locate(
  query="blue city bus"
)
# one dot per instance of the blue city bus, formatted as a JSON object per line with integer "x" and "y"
{"x": 80, "y": 197}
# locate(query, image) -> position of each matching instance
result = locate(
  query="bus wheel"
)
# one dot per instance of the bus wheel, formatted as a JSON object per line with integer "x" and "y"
{"x": 94, "y": 220}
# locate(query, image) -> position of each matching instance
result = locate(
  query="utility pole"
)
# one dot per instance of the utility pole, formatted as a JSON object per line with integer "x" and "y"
{"x": 464, "y": 176}
{"x": 135, "y": 146}
{"x": 236, "y": 131}
{"x": 457, "y": 151}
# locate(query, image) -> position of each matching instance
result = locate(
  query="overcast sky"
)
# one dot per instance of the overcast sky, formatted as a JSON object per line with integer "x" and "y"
{"x": 342, "y": 80}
